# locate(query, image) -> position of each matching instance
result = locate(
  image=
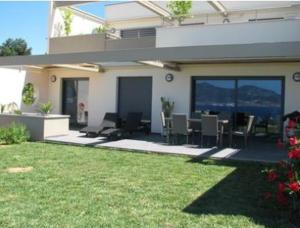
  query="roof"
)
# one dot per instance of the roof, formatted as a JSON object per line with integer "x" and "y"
{"x": 285, "y": 51}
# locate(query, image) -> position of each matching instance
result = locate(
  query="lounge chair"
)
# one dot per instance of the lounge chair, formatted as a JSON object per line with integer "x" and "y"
{"x": 132, "y": 124}
{"x": 110, "y": 120}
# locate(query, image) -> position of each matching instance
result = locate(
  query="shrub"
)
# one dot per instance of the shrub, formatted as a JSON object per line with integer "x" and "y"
{"x": 28, "y": 97}
{"x": 180, "y": 9}
{"x": 284, "y": 179}
{"x": 14, "y": 134}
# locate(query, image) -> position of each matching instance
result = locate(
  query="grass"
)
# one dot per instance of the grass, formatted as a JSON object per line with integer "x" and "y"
{"x": 85, "y": 187}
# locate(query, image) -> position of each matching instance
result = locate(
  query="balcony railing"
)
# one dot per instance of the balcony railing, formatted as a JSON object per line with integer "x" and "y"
{"x": 96, "y": 42}
{"x": 231, "y": 33}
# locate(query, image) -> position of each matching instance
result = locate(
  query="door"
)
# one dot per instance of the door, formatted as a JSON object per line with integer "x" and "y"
{"x": 135, "y": 95}
{"x": 75, "y": 101}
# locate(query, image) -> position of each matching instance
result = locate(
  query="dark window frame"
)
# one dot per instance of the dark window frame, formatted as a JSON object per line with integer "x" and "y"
{"x": 236, "y": 79}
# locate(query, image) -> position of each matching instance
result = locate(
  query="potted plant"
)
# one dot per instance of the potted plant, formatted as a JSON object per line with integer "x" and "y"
{"x": 46, "y": 108}
{"x": 167, "y": 106}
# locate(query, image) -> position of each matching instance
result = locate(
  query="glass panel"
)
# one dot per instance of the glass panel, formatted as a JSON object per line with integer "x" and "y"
{"x": 82, "y": 102}
{"x": 75, "y": 101}
{"x": 214, "y": 96}
{"x": 261, "y": 98}
{"x": 69, "y": 99}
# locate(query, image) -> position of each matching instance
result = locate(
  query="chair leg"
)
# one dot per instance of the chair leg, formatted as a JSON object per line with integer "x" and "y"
{"x": 187, "y": 139}
{"x": 201, "y": 140}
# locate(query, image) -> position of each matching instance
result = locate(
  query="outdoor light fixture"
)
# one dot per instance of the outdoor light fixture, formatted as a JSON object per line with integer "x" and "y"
{"x": 53, "y": 78}
{"x": 296, "y": 77}
{"x": 169, "y": 77}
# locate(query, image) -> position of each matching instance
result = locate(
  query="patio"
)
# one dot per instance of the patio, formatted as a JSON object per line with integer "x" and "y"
{"x": 258, "y": 149}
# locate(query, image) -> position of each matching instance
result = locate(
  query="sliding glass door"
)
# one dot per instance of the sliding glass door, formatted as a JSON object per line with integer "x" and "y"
{"x": 214, "y": 95}
{"x": 258, "y": 96}
{"x": 263, "y": 99}
{"x": 75, "y": 100}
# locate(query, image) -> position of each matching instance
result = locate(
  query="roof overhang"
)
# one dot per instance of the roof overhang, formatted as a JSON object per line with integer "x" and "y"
{"x": 289, "y": 51}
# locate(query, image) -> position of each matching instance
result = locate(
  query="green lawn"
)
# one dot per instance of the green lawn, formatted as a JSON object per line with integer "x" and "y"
{"x": 86, "y": 187}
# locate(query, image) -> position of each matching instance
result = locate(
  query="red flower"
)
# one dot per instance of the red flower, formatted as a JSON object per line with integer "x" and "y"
{"x": 295, "y": 187}
{"x": 294, "y": 154}
{"x": 281, "y": 199}
{"x": 290, "y": 175}
{"x": 291, "y": 124}
{"x": 293, "y": 141}
{"x": 281, "y": 187}
{"x": 272, "y": 175}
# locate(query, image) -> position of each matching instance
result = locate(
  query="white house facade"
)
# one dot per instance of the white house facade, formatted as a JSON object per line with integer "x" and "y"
{"x": 244, "y": 57}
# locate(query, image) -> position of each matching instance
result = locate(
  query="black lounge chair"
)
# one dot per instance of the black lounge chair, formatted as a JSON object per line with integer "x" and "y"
{"x": 132, "y": 124}
{"x": 110, "y": 120}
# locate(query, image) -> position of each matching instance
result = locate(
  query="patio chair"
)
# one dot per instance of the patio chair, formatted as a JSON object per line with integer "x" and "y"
{"x": 180, "y": 126}
{"x": 195, "y": 125}
{"x": 244, "y": 133}
{"x": 132, "y": 124}
{"x": 110, "y": 120}
{"x": 210, "y": 127}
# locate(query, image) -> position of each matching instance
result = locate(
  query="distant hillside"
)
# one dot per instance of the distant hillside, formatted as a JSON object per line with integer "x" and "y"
{"x": 248, "y": 95}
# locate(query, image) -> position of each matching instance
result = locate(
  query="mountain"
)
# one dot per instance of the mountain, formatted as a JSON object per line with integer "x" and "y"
{"x": 248, "y": 95}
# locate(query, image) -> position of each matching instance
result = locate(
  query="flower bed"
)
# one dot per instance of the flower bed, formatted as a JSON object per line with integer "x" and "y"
{"x": 284, "y": 179}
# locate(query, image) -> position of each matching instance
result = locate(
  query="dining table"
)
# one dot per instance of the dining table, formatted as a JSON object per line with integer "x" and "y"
{"x": 222, "y": 124}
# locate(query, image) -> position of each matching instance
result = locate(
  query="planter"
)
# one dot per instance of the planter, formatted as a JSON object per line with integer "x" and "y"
{"x": 39, "y": 126}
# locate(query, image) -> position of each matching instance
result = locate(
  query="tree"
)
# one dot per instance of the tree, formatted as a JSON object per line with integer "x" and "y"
{"x": 68, "y": 19}
{"x": 12, "y": 47}
{"x": 180, "y": 9}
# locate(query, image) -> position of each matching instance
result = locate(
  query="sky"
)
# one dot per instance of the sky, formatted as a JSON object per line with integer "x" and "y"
{"x": 29, "y": 20}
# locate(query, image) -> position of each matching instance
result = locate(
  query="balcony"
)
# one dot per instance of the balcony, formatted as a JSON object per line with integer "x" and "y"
{"x": 96, "y": 42}
{"x": 229, "y": 34}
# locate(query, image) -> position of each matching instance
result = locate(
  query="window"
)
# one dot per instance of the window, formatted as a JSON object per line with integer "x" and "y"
{"x": 137, "y": 33}
{"x": 261, "y": 97}
{"x": 214, "y": 95}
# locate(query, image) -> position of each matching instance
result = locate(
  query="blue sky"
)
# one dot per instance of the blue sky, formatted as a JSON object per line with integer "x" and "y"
{"x": 29, "y": 20}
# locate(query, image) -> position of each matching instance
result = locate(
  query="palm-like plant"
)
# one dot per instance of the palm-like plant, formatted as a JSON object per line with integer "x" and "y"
{"x": 46, "y": 108}
{"x": 167, "y": 106}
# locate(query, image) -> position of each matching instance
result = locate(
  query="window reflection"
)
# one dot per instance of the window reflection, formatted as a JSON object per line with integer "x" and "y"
{"x": 259, "y": 97}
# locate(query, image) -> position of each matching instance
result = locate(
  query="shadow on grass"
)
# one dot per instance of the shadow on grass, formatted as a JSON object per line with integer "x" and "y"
{"x": 238, "y": 194}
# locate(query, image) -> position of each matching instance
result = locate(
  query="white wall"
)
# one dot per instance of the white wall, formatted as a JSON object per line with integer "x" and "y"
{"x": 103, "y": 86}
{"x": 81, "y": 24}
{"x": 12, "y": 81}
{"x": 236, "y": 33}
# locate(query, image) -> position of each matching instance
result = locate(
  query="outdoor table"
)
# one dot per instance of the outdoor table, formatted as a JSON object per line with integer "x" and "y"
{"x": 222, "y": 123}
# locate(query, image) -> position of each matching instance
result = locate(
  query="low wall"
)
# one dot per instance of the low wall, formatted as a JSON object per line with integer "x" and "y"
{"x": 39, "y": 126}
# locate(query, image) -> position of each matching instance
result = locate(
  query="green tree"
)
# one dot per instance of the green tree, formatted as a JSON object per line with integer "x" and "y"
{"x": 68, "y": 19}
{"x": 180, "y": 9}
{"x": 12, "y": 47}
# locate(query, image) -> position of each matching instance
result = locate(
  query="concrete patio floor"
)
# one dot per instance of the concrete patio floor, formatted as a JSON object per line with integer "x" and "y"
{"x": 257, "y": 150}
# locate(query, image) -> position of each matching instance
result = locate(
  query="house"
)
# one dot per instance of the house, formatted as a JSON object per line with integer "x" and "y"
{"x": 230, "y": 56}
